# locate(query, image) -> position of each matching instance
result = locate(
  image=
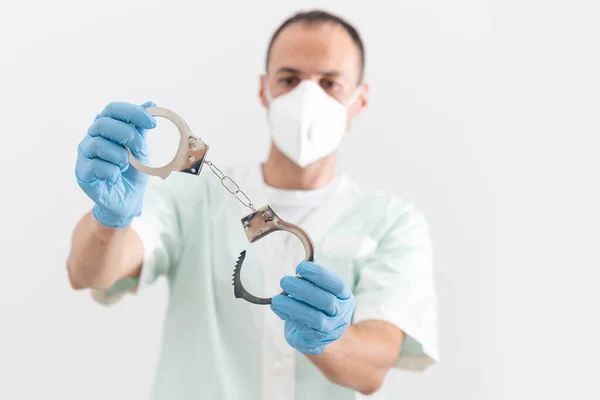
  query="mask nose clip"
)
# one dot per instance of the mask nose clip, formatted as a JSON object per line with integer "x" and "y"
{"x": 257, "y": 225}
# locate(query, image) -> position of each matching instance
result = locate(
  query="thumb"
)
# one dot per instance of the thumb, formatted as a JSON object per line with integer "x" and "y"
{"x": 148, "y": 104}
{"x": 139, "y": 147}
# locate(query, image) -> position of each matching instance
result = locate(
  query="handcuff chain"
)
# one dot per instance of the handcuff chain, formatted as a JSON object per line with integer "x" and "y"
{"x": 235, "y": 189}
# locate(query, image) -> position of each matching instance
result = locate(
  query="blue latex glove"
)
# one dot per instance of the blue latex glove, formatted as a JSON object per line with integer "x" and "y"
{"x": 102, "y": 169}
{"x": 318, "y": 309}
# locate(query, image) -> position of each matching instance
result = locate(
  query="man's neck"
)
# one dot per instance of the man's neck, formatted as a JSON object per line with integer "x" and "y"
{"x": 280, "y": 172}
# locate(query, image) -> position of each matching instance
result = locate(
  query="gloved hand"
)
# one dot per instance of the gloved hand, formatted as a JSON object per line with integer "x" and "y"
{"x": 317, "y": 310}
{"x": 102, "y": 169}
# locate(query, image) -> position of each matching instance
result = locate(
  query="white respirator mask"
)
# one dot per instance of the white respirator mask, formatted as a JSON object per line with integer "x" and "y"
{"x": 306, "y": 123}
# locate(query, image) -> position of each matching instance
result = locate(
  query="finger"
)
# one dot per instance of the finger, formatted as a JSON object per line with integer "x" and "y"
{"x": 119, "y": 132}
{"x": 308, "y": 333}
{"x": 281, "y": 315}
{"x": 324, "y": 278}
{"x": 130, "y": 114}
{"x": 139, "y": 146}
{"x": 102, "y": 170}
{"x": 99, "y": 147}
{"x": 315, "y": 336}
{"x": 298, "y": 340}
{"x": 83, "y": 171}
{"x": 148, "y": 104}
{"x": 116, "y": 131}
{"x": 305, "y": 291}
{"x": 292, "y": 309}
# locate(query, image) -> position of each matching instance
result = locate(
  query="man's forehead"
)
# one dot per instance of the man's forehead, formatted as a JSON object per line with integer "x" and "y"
{"x": 315, "y": 48}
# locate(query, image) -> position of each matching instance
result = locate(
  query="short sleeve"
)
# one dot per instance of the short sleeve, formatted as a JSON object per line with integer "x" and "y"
{"x": 396, "y": 285}
{"x": 159, "y": 230}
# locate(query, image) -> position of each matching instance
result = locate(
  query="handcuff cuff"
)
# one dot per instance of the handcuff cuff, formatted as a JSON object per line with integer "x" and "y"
{"x": 189, "y": 159}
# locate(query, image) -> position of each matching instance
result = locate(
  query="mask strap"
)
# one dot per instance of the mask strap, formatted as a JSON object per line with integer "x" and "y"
{"x": 354, "y": 95}
{"x": 267, "y": 91}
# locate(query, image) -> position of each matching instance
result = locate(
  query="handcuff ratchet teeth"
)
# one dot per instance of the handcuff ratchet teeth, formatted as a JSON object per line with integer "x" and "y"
{"x": 257, "y": 225}
{"x": 190, "y": 157}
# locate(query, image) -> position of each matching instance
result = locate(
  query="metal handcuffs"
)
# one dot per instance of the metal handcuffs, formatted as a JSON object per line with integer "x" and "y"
{"x": 190, "y": 157}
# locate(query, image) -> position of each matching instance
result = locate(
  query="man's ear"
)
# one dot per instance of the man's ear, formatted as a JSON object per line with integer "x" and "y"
{"x": 364, "y": 96}
{"x": 362, "y": 101}
{"x": 262, "y": 92}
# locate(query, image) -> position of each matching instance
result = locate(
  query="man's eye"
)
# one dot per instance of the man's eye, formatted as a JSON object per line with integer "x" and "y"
{"x": 327, "y": 84}
{"x": 289, "y": 81}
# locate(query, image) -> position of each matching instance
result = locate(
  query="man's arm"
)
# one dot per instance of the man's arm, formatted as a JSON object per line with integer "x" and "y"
{"x": 317, "y": 312}
{"x": 104, "y": 247}
{"x": 100, "y": 256}
{"x": 354, "y": 337}
{"x": 362, "y": 357}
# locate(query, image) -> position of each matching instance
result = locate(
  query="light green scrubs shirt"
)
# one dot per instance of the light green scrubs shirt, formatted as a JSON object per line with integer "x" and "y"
{"x": 218, "y": 347}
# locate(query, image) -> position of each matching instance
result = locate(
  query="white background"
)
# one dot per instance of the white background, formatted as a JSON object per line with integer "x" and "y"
{"x": 485, "y": 115}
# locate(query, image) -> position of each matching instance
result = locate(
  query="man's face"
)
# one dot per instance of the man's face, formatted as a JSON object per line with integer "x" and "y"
{"x": 322, "y": 52}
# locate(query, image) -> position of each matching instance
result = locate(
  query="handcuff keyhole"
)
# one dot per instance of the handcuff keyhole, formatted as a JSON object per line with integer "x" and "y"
{"x": 267, "y": 217}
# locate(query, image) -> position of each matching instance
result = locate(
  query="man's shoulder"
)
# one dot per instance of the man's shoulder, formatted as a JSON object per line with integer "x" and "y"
{"x": 387, "y": 208}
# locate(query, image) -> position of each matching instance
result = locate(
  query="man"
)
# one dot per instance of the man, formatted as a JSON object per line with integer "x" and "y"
{"x": 367, "y": 306}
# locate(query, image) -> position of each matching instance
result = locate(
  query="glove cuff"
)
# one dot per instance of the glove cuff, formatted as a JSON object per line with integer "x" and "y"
{"x": 313, "y": 351}
{"x": 110, "y": 221}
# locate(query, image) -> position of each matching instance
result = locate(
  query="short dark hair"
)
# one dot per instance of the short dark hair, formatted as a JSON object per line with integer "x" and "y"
{"x": 319, "y": 16}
